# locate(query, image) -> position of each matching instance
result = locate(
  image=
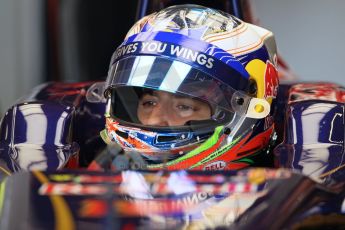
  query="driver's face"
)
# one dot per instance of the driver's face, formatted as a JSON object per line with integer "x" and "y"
{"x": 159, "y": 108}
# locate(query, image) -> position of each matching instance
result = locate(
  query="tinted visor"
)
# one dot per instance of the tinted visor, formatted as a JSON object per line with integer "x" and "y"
{"x": 178, "y": 78}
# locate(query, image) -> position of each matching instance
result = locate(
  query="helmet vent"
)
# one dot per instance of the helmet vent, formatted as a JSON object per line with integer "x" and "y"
{"x": 166, "y": 138}
{"x": 122, "y": 134}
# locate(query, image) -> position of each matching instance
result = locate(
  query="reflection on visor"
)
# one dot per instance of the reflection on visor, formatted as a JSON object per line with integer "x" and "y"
{"x": 172, "y": 76}
{"x": 146, "y": 107}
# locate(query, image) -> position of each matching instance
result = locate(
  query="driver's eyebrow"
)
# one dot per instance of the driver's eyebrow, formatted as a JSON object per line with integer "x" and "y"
{"x": 149, "y": 92}
{"x": 181, "y": 96}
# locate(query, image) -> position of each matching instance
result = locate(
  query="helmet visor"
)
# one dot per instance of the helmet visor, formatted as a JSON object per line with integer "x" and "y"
{"x": 172, "y": 76}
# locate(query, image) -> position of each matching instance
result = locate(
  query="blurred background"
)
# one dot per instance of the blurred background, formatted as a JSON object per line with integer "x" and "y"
{"x": 73, "y": 40}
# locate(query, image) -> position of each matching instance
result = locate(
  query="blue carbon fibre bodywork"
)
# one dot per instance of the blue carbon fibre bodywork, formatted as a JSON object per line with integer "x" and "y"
{"x": 34, "y": 135}
{"x": 49, "y": 126}
{"x": 313, "y": 138}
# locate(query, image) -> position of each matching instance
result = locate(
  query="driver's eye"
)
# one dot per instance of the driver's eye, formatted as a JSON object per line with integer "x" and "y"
{"x": 185, "y": 107}
{"x": 148, "y": 103}
{"x": 184, "y": 110}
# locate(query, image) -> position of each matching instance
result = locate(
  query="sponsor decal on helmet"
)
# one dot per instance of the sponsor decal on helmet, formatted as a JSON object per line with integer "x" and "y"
{"x": 216, "y": 165}
{"x": 271, "y": 79}
{"x": 167, "y": 49}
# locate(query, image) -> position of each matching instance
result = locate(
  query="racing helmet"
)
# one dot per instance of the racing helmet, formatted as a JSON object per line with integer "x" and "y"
{"x": 209, "y": 57}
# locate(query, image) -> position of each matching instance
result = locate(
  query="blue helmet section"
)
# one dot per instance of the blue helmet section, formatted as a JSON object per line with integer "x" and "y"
{"x": 199, "y": 54}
